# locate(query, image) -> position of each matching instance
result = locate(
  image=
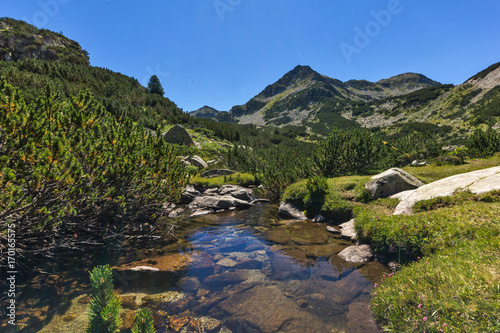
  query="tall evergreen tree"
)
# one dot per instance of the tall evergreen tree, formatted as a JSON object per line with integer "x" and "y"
{"x": 154, "y": 86}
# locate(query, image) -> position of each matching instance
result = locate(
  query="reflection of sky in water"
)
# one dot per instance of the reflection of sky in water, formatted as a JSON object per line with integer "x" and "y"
{"x": 248, "y": 270}
{"x": 296, "y": 264}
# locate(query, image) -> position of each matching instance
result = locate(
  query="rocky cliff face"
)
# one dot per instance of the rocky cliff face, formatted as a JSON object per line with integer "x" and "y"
{"x": 20, "y": 40}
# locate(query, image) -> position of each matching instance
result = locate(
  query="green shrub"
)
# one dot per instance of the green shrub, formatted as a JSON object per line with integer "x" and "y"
{"x": 295, "y": 194}
{"x": 352, "y": 151}
{"x": 104, "y": 306}
{"x": 317, "y": 189}
{"x": 143, "y": 322}
{"x": 69, "y": 165}
{"x": 281, "y": 167}
{"x": 336, "y": 208}
{"x": 483, "y": 143}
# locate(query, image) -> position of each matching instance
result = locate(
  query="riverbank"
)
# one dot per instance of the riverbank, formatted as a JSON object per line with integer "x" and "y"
{"x": 447, "y": 250}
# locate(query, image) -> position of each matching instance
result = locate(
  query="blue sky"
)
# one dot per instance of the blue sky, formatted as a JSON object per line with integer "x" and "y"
{"x": 223, "y": 52}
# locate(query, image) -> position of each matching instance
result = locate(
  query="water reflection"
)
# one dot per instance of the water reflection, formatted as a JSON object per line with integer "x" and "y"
{"x": 238, "y": 272}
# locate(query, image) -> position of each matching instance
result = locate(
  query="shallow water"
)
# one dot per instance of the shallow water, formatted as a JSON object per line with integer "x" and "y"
{"x": 243, "y": 271}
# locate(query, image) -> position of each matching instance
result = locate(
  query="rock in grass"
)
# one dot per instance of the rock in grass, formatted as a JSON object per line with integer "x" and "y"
{"x": 216, "y": 172}
{"x": 290, "y": 211}
{"x": 178, "y": 135}
{"x": 391, "y": 182}
{"x": 198, "y": 162}
{"x": 357, "y": 253}
{"x": 478, "y": 182}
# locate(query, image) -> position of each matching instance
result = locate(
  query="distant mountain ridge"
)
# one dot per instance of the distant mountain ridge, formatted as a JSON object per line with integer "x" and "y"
{"x": 302, "y": 93}
{"x": 314, "y": 103}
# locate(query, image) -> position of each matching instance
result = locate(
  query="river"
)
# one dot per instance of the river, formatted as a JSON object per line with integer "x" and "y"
{"x": 240, "y": 271}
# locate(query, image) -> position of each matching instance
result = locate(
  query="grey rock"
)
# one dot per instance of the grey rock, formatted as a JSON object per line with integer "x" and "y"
{"x": 239, "y": 192}
{"x": 478, "y": 182}
{"x": 230, "y": 188}
{"x": 197, "y": 161}
{"x": 357, "y": 253}
{"x": 189, "y": 194}
{"x": 332, "y": 230}
{"x": 220, "y": 202}
{"x": 227, "y": 262}
{"x": 226, "y": 278}
{"x": 144, "y": 269}
{"x": 216, "y": 172}
{"x": 348, "y": 231}
{"x": 242, "y": 195}
{"x": 201, "y": 212}
{"x": 416, "y": 163}
{"x": 257, "y": 201}
{"x": 211, "y": 191}
{"x": 290, "y": 211}
{"x": 178, "y": 135}
{"x": 391, "y": 182}
{"x": 176, "y": 212}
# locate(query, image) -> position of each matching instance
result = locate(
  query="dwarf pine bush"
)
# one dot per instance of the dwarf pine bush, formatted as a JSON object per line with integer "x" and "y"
{"x": 68, "y": 164}
{"x": 143, "y": 322}
{"x": 104, "y": 305}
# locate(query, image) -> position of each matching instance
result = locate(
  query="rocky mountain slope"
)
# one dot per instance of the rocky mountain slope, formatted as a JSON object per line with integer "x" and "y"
{"x": 456, "y": 110}
{"x": 303, "y": 97}
{"x": 20, "y": 40}
{"x": 315, "y": 103}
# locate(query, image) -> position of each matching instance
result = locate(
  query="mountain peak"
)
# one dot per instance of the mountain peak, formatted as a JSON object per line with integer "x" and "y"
{"x": 408, "y": 81}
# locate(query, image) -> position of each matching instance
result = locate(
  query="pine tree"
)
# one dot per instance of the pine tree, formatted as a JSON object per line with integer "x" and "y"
{"x": 143, "y": 322}
{"x": 154, "y": 86}
{"x": 104, "y": 305}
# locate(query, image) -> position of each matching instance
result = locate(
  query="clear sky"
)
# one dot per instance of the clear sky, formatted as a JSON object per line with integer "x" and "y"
{"x": 223, "y": 52}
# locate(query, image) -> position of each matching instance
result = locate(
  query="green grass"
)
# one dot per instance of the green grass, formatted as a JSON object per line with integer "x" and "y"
{"x": 454, "y": 290}
{"x": 243, "y": 179}
{"x": 432, "y": 173}
{"x": 427, "y": 232}
{"x": 449, "y": 251}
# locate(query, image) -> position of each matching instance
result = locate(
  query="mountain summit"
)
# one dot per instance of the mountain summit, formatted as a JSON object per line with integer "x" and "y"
{"x": 304, "y": 96}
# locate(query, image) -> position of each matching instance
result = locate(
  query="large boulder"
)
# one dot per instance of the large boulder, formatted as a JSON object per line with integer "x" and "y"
{"x": 290, "y": 211}
{"x": 219, "y": 202}
{"x": 391, "y": 182}
{"x": 178, "y": 135}
{"x": 479, "y": 181}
